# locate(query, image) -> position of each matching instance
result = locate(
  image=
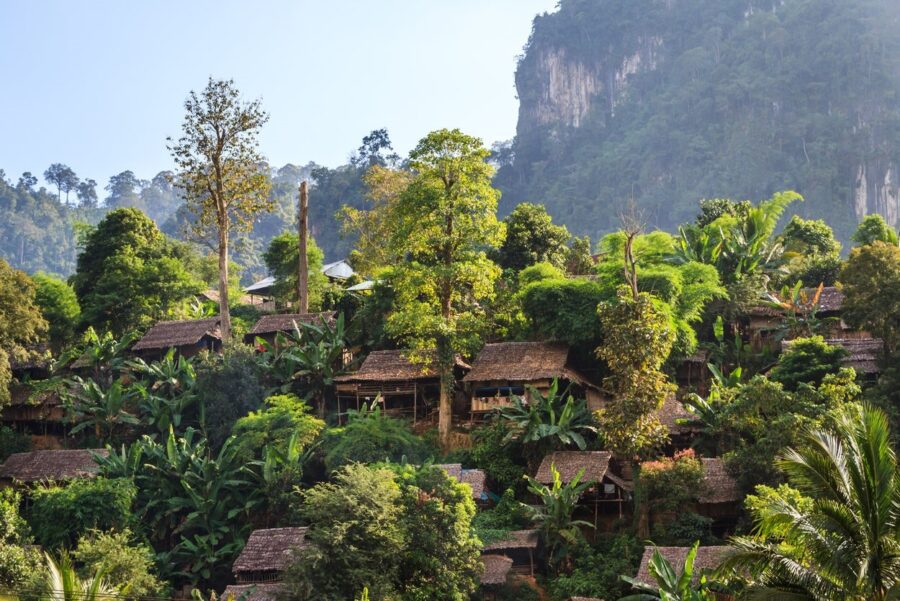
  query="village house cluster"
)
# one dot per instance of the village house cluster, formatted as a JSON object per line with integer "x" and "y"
{"x": 406, "y": 386}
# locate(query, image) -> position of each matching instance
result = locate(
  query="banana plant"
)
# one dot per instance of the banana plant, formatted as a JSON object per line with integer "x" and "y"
{"x": 106, "y": 410}
{"x": 553, "y": 517}
{"x": 671, "y": 585}
{"x": 167, "y": 391}
{"x": 539, "y": 418}
{"x": 62, "y": 583}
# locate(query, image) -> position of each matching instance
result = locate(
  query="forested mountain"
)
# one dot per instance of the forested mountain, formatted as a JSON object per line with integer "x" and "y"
{"x": 668, "y": 101}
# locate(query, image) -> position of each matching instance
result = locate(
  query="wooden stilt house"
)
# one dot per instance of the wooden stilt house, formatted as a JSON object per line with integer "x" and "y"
{"x": 188, "y": 337}
{"x": 269, "y": 326}
{"x": 609, "y": 498}
{"x": 403, "y": 388}
{"x": 506, "y": 369}
{"x": 259, "y": 567}
{"x": 520, "y": 546}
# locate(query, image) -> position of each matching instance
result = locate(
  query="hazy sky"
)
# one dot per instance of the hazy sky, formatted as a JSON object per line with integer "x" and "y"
{"x": 99, "y": 85}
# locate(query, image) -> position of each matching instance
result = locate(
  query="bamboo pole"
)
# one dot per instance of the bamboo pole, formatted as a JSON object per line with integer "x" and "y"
{"x": 303, "y": 266}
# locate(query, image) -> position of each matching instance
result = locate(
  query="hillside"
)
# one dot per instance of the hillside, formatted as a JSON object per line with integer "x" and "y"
{"x": 669, "y": 101}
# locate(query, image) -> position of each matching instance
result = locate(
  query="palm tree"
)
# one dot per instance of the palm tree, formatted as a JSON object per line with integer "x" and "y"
{"x": 843, "y": 543}
{"x": 670, "y": 586}
{"x": 63, "y": 584}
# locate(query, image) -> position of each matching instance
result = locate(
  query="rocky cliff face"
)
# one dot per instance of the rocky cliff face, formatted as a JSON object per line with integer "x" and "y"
{"x": 669, "y": 102}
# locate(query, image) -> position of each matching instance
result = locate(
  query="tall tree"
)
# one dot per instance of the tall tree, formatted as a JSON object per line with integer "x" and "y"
{"x": 871, "y": 279}
{"x": 445, "y": 219}
{"x": 63, "y": 178}
{"x": 219, "y": 169}
{"x": 123, "y": 190}
{"x": 87, "y": 193}
{"x": 128, "y": 274}
{"x": 372, "y": 226}
{"x": 637, "y": 340}
{"x": 532, "y": 237}
{"x": 21, "y": 323}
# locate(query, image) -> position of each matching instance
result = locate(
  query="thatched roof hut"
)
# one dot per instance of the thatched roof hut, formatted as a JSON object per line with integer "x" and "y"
{"x": 568, "y": 463}
{"x": 496, "y": 569}
{"x": 523, "y": 362}
{"x": 267, "y": 553}
{"x": 261, "y": 591}
{"x": 719, "y": 486}
{"x": 394, "y": 366}
{"x": 517, "y": 539}
{"x": 476, "y": 479}
{"x": 708, "y": 559}
{"x": 51, "y": 466}
{"x": 189, "y": 337}
{"x": 269, "y": 325}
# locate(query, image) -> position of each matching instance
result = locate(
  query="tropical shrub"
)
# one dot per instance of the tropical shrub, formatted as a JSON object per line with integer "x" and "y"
{"x": 370, "y": 436}
{"x": 60, "y": 515}
{"x": 596, "y": 569}
{"x": 668, "y": 484}
{"x": 807, "y": 361}
{"x": 128, "y": 567}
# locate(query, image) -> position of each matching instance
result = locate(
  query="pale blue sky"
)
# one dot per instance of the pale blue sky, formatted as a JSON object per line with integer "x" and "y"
{"x": 99, "y": 84}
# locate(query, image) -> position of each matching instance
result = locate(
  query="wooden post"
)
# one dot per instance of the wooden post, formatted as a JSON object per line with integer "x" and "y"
{"x": 303, "y": 269}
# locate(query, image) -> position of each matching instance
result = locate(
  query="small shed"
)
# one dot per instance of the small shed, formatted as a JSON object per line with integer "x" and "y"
{"x": 188, "y": 337}
{"x": 270, "y": 326}
{"x": 707, "y": 560}
{"x": 692, "y": 373}
{"x": 261, "y": 591}
{"x": 267, "y": 553}
{"x": 405, "y": 388}
{"x": 36, "y": 467}
{"x": 608, "y": 495}
{"x": 519, "y": 546}
{"x": 475, "y": 478}
{"x": 505, "y": 369}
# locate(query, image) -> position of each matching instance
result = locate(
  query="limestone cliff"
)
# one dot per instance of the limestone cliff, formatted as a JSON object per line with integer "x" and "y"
{"x": 669, "y": 101}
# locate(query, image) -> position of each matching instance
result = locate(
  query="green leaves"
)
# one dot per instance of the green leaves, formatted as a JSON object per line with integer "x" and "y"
{"x": 554, "y": 516}
{"x": 548, "y": 420}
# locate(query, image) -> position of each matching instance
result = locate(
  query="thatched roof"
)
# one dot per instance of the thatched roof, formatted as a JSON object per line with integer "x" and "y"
{"x": 523, "y": 362}
{"x": 51, "y": 466}
{"x": 393, "y": 366}
{"x": 671, "y": 412}
{"x": 568, "y": 463}
{"x": 518, "y": 539}
{"x": 862, "y": 353}
{"x": 830, "y": 301}
{"x": 719, "y": 486}
{"x": 264, "y": 591}
{"x": 172, "y": 334}
{"x": 476, "y": 479}
{"x": 496, "y": 569}
{"x": 708, "y": 558}
{"x": 269, "y": 550}
{"x": 272, "y": 324}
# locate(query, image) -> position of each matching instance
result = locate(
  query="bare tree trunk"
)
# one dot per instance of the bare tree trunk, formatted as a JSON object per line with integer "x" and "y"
{"x": 303, "y": 266}
{"x": 224, "y": 313}
{"x": 445, "y": 414}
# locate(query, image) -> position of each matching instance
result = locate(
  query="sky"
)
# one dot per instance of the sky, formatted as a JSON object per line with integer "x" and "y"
{"x": 99, "y": 85}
